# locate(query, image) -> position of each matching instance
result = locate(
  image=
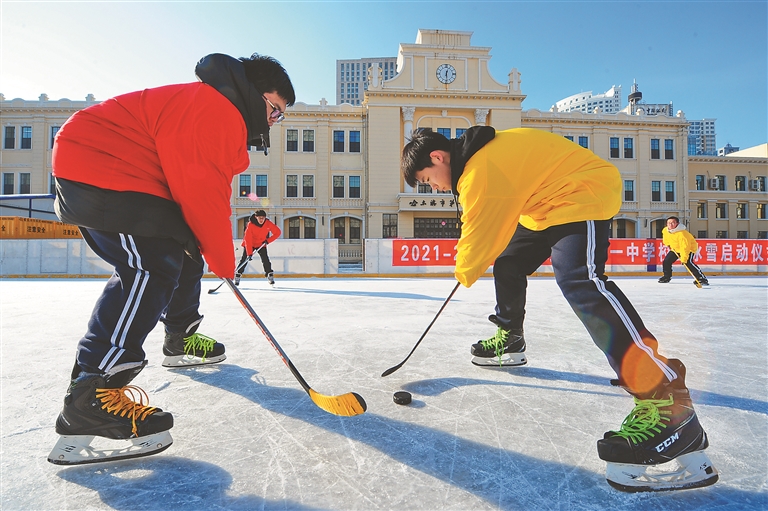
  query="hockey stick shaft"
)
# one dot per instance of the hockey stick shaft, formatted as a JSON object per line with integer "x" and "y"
{"x": 239, "y": 268}
{"x": 695, "y": 280}
{"x": 398, "y": 366}
{"x": 347, "y": 405}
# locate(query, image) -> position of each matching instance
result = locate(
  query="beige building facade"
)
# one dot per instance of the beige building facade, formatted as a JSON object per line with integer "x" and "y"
{"x": 333, "y": 171}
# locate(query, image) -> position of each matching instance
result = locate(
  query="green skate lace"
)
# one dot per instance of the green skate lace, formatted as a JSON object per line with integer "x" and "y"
{"x": 121, "y": 402}
{"x": 645, "y": 420}
{"x": 497, "y": 342}
{"x": 198, "y": 342}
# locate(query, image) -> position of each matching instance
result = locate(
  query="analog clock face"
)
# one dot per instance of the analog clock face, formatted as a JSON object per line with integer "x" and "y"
{"x": 446, "y": 73}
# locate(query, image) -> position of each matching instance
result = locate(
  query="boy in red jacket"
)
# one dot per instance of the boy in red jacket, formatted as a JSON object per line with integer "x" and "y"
{"x": 259, "y": 233}
{"x": 147, "y": 177}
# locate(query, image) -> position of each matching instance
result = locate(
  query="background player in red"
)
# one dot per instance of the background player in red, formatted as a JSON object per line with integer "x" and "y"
{"x": 259, "y": 233}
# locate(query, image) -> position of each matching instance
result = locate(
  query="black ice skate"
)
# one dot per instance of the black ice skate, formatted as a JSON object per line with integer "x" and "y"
{"x": 191, "y": 350}
{"x": 663, "y": 427}
{"x": 505, "y": 349}
{"x": 237, "y": 278}
{"x": 103, "y": 405}
{"x": 271, "y": 278}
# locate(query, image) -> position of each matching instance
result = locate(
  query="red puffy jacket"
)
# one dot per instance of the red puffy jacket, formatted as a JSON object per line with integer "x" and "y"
{"x": 183, "y": 143}
{"x": 256, "y": 235}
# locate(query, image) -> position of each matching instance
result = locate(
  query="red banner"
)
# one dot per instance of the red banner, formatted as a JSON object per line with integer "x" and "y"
{"x": 623, "y": 252}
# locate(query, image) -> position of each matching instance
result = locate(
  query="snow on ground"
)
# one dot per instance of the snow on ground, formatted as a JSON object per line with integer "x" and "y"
{"x": 246, "y": 436}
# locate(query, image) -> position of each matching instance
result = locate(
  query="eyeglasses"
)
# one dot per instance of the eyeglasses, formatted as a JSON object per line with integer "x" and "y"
{"x": 276, "y": 115}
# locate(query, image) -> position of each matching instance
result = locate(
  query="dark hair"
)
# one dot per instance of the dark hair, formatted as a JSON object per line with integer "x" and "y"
{"x": 268, "y": 75}
{"x": 673, "y": 218}
{"x": 260, "y": 212}
{"x": 416, "y": 153}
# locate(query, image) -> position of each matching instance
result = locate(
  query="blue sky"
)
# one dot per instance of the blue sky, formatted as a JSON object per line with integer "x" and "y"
{"x": 709, "y": 58}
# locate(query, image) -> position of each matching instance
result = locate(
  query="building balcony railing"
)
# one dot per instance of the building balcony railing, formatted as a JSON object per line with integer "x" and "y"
{"x": 346, "y": 203}
{"x": 299, "y": 202}
{"x": 629, "y": 206}
{"x": 350, "y": 253}
{"x": 664, "y": 206}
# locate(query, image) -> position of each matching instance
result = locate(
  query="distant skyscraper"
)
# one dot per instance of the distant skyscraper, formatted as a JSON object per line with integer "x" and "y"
{"x": 352, "y": 77}
{"x": 701, "y": 138}
{"x": 726, "y": 150}
{"x": 608, "y": 102}
{"x": 636, "y": 105}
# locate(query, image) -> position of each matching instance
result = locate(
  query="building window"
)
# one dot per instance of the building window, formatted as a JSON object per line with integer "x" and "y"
{"x": 436, "y": 228}
{"x": 762, "y": 235}
{"x": 721, "y": 185}
{"x": 354, "y": 141}
{"x": 760, "y": 210}
{"x": 721, "y": 234}
{"x": 721, "y": 210}
{"x": 669, "y": 191}
{"x": 338, "y": 230}
{"x": 7, "y": 183}
{"x": 354, "y": 187}
{"x": 338, "y": 187}
{"x": 742, "y": 234}
{"x": 621, "y": 228}
{"x": 446, "y": 132}
{"x": 309, "y": 228}
{"x": 614, "y": 147}
{"x": 761, "y": 183}
{"x": 245, "y": 185}
{"x": 26, "y": 137}
{"x": 741, "y": 183}
{"x": 460, "y": 132}
{"x": 656, "y": 191}
{"x": 309, "y": 141}
{"x": 10, "y": 137}
{"x": 700, "y": 182}
{"x": 669, "y": 149}
{"x": 54, "y": 130}
{"x": 354, "y": 230}
{"x": 389, "y": 225}
{"x": 424, "y": 188}
{"x": 569, "y": 137}
{"x": 701, "y": 210}
{"x": 338, "y": 141}
{"x": 702, "y": 234}
{"x": 294, "y": 228}
{"x": 25, "y": 183}
{"x": 261, "y": 185}
{"x": 308, "y": 186}
{"x": 51, "y": 184}
{"x": 742, "y": 210}
{"x": 292, "y": 185}
{"x": 292, "y": 140}
{"x": 655, "y": 150}
{"x": 584, "y": 142}
{"x": 628, "y": 148}
{"x": 629, "y": 190}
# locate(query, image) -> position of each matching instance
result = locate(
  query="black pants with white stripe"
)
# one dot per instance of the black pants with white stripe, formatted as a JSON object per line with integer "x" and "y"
{"x": 579, "y": 251}
{"x": 154, "y": 280}
{"x": 672, "y": 256}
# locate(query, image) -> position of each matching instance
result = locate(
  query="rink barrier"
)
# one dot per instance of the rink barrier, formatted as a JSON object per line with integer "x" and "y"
{"x": 72, "y": 258}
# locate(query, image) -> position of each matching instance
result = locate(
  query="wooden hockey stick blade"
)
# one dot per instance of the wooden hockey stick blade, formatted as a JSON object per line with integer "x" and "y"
{"x": 398, "y": 366}
{"x": 695, "y": 280}
{"x": 345, "y": 405}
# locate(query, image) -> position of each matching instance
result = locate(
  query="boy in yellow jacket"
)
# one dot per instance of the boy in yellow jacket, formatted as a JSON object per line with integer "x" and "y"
{"x": 528, "y": 195}
{"x": 681, "y": 245}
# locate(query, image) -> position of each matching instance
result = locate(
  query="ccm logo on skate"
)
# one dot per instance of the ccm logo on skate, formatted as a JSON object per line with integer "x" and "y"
{"x": 666, "y": 443}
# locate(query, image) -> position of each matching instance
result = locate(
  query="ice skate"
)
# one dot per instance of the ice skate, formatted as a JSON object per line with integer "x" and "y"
{"x": 101, "y": 420}
{"x": 271, "y": 278}
{"x": 237, "y": 278}
{"x": 193, "y": 350}
{"x": 660, "y": 445}
{"x": 505, "y": 349}
{"x": 664, "y": 279}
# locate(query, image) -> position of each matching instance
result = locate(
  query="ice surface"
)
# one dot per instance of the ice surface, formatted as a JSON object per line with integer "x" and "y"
{"x": 246, "y": 435}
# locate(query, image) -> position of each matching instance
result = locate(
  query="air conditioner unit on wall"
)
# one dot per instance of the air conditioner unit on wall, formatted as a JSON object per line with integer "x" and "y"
{"x": 714, "y": 184}
{"x": 754, "y": 184}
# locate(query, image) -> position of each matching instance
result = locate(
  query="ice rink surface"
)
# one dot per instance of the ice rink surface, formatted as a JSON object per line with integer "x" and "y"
{"x": 246, "y": 436}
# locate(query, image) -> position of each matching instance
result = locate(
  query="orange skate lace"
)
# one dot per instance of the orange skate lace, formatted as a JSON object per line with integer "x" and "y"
{"x": 122, "y": 402}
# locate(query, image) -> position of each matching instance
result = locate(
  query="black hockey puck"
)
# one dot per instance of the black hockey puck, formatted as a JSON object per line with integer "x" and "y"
{"x": 402, "y": 397}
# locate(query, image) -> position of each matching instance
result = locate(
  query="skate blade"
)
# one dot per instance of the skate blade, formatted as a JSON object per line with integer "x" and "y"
{"x": 692, "y": 470}
{"x": 507, "y": 360}
{"x": 190, "y": 361}
{"x": 77, "y": 449}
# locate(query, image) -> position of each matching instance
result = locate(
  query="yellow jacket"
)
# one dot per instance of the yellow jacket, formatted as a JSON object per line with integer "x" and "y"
{"x": 533, "y": 177}
{"x": 680, "y": 241}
